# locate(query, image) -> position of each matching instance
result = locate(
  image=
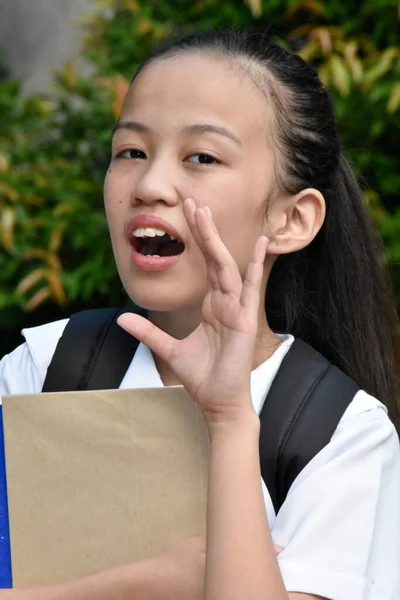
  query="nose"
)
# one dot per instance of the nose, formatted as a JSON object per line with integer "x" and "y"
{"x": 157, "y": 182}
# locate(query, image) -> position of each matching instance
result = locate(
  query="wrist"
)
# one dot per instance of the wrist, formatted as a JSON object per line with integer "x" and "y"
{"x": 135, "y": 580}
{"x": 234, "y": 422}
{"x": 141, "y": 580}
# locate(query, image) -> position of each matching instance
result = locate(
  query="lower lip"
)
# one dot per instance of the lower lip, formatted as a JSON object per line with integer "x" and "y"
{"x": 151, "y": 263}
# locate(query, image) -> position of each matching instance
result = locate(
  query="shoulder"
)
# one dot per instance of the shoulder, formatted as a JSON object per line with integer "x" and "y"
{"x": 361, "y": 404}
{"x": 364, "y": 433}
{"x": 340, "y": 522}
{"x": 23, "y": 371}
{"x": 364, "y": 436}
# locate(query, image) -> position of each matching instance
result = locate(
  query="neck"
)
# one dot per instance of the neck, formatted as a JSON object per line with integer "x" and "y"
{"x": 181, "y": 324}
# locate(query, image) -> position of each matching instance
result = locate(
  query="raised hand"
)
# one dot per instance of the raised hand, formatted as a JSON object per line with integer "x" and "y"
{"x": 214, "y": 362}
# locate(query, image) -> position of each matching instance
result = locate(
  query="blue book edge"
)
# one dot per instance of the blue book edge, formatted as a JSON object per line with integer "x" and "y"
{"x": 5, "y": 548}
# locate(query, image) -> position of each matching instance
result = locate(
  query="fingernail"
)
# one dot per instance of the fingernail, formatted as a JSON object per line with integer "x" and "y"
{"x": 208, "y": 210}
{"x": 279, "y": 548}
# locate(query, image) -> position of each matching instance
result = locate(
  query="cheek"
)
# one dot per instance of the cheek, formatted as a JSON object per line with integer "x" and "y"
{"x": 239, "y": 225}
{"x": 115, "y": 197}
{"x": 109, "y": 205}
{"x": 108, "y": 189}
{"x": 118, "y": 185}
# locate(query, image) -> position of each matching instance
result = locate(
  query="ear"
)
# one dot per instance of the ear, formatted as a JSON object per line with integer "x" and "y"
{"x": 294, "y": 221}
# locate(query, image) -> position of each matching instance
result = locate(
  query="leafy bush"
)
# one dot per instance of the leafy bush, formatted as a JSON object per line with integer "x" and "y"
{"x": 54, "y": 148}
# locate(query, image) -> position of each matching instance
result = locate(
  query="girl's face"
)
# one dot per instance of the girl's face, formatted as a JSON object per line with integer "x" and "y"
{"x": 195, "y": 126}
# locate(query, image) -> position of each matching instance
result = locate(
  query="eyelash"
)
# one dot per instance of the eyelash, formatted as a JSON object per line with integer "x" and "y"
{"x": 134, "y": 151}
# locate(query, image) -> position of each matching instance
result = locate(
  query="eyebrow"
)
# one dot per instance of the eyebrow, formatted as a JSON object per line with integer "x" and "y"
{"x": 189, "y": 129}
{"x": 132, "y": 126}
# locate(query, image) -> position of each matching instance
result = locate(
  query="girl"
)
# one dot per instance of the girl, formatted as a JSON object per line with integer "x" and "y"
{"x": 229, "y": 143}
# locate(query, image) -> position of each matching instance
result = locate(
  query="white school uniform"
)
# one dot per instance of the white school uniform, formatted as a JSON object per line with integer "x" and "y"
{"x": 340, "y": 523}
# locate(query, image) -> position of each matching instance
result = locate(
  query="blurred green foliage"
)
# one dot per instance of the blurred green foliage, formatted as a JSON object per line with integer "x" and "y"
{"x": 54, "y": 149}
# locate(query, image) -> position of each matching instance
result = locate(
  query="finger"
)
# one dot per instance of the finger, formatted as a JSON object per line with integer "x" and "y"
{"x": 217, "y": 254}
{"x": 250, "y": 295}
{"x": 221, "y": 267}
{"x": 192, "y": 213}
{"x": 278, "y": 549}
{"x": 212, "y": 270}
{"x": 157, "y": 340}
{"x": 190, "y": 208}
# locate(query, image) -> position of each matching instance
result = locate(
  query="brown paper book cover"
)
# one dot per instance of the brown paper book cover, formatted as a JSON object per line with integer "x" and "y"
{"x": 99, "y": 479}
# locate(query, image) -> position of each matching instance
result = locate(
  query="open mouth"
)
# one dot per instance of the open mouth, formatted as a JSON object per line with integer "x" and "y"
{"x": 157, "y": 246}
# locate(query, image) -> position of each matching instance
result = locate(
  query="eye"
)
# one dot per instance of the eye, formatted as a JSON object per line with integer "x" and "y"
{"x": 131, "y": 153}
{"x": 203, "y": 159}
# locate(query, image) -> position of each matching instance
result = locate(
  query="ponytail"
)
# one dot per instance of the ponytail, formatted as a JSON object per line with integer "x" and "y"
{"x": 334, "y": 294}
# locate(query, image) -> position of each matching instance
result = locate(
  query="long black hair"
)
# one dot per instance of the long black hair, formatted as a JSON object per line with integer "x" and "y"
{"x": 333, "y": 294}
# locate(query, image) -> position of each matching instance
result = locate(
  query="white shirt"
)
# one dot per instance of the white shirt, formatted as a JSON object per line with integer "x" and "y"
{"x": 340, "y": 523}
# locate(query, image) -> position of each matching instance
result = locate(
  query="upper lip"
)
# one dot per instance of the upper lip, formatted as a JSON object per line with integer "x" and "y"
{"x": 145, "y": 220}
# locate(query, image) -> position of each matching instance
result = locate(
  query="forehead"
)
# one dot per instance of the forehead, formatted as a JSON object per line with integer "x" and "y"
{"x": 196, "y": 86}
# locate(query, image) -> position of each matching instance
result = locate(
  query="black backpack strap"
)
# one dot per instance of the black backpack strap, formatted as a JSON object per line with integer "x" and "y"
{"x": 306, "y": 401}
{"x": 93, "y": 353}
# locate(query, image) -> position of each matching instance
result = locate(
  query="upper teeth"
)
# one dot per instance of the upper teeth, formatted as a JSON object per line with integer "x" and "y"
{"x": 150, "y": 232}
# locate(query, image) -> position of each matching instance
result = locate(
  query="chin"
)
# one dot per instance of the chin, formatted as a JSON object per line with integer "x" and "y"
{"x": 162, "y": 300}
{"x": 164, "y": 292}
